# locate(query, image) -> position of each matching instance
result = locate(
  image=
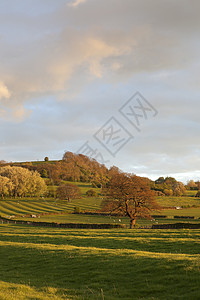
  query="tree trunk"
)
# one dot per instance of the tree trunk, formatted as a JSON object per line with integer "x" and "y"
{"x": 132, "y": 223}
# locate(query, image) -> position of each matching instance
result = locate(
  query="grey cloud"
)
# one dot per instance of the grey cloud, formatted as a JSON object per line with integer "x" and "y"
{"x": 90, "y": 59}
{"x": 130, "y": 44}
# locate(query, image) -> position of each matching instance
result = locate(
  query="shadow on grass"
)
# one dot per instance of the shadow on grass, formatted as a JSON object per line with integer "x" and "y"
{"x": 85, "y": 274}
{"x": 139, "y": 241}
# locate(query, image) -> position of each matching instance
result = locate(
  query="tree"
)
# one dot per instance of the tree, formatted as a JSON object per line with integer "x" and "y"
{"x": 79, "y": 167}
{"x": 91, "y": 193}
{"x": 5, "y": 186}
{"x": 46, "y": 158}
{"x": 68, "y": 191}
{"x": 198, "y": 185}
{"x": 129, "y": 195}
{"x": 168, "y": 192}
{"x": 162, "y": 184}
{"x": 37, "y": 185}
{"x": 191, "y": 185}
{"x": 160, "y": 180}
{"x": 113, "y": 170}
{"x": 178, "y": 189}
{"x": 21, "y": 182}
{"x": 55, "y": 173}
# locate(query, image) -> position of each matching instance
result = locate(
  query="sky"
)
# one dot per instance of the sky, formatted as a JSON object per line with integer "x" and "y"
{"x": 118, "y": 80}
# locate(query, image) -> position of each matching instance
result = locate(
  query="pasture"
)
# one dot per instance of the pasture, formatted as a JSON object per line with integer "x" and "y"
{"x": 51, "y": 263}
{"x": 54, "y": 210}
{"x": 58, "y": 263}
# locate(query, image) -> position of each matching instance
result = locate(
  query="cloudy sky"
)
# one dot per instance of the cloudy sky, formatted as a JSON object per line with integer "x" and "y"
{"x": 70, "y": 71}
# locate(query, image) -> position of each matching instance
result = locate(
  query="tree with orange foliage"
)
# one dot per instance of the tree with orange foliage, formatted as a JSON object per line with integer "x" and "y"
{"x": 68, "y": 191}
{"x": 129, "y": 195}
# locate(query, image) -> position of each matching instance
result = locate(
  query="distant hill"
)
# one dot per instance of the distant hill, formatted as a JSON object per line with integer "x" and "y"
{"x": 73, "y": 167}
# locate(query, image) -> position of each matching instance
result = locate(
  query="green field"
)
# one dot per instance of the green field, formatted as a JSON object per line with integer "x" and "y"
{"x": 42, "y": 205}
{"x": 57, "y": 263}
{"x": 186, "y": 201}
{"x": 54, "y": 210}
{"x": 33, "y": 206}
{"x": 61, "y": 212}
{"x": 51, "y": 263}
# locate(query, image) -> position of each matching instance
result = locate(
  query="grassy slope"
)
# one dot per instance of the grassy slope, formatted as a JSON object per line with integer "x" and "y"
{"x": 41, "y": 263}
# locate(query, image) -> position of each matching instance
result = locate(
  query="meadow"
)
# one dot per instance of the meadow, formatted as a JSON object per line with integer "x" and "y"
{"x": 60, "y": 211}
{"x": 51, "y": 263}
{"x": 58, "y": 263}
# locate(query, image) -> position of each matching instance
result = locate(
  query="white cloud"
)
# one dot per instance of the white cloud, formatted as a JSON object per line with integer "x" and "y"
{"x": 76, "y": 3}
{"x": 4, "y": 92}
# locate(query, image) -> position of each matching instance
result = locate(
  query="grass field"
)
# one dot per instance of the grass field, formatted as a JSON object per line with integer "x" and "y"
{"x": 54, "y": 210}
{"x": 59, "y": 211}
{"x": 33, "y": 206}
{"x": 186, "y": 201}
{"x": 57, "y": 263}
{"x": 50, "y": 263}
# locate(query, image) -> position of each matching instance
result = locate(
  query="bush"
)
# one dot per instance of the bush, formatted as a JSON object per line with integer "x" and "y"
{"x": 77, "y": 210}
{"x": 168, "y": 192}
{"x": 159, "y": 216}
{"x": 44, "y": 173}
{"x": 91, "y": 193}
{"x": 197, "y": 194}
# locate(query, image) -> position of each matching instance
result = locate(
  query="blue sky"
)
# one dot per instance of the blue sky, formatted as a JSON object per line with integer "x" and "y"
{"x": 68, "y": 66}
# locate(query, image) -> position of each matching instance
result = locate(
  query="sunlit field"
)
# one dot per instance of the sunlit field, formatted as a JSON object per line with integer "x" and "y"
{"x": 47, "y": 263}
{"x": 57, "y": 263}
{"x": 54, "y": 210}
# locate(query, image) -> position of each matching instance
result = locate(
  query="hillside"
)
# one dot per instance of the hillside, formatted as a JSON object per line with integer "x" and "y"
{"x": 73, "y": 167}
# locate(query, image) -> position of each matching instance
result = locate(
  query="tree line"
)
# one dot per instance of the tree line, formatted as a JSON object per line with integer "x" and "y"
{"x": 80, "y": 168}
{"x": 77, "y": 168}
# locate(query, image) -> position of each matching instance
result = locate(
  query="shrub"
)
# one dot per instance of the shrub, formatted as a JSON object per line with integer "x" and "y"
{"x": 77, "y": 210}
{"x": 159, "y": 216}
{"x": 91, "y": 193}
{"x": 168, "y": 192}
{"x": 197, "y": 194}
{"x": 44, "y": 173}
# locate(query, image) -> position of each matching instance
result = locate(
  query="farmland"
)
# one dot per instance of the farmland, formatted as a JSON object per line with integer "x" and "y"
{"x": 58, "y": 263}
{"x": 55, "y": 210}
{"x": 49, "y": 263}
